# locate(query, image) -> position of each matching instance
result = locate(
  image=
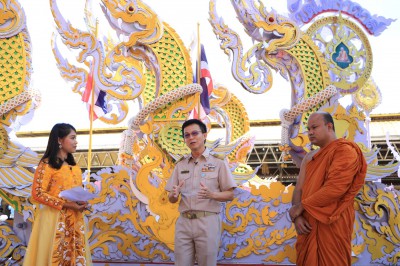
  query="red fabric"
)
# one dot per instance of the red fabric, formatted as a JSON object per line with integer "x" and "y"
{"x": 89, "y": 86}
{"x": 333, "y": 178}
{"x": 100, "y": 105}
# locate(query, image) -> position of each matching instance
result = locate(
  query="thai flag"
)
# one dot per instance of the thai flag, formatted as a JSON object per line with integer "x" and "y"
{"x": 206, "y": 83}
{"x": 100, "y": 105}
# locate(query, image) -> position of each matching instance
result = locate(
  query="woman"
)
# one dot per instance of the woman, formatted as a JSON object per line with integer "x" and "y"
{"x": 58, "y": 234}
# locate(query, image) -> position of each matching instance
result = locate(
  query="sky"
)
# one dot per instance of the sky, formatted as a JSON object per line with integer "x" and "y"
{"x": 60, "y": 104}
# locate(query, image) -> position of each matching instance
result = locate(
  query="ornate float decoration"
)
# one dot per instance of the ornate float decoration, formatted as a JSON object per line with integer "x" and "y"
{"x": 160, "y": 71}
{"x": 17, "y": 101}
{"x": 330, "y": 59}
{"x": 131, "y": 218}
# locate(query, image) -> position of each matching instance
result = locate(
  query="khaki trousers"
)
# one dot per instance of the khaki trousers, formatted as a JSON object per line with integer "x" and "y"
{"x": 197, "y": 239}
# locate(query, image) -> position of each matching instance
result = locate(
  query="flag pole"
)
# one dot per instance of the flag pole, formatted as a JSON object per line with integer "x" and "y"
{"x": 89, "y": 161}
{"x": 198, "y": 66}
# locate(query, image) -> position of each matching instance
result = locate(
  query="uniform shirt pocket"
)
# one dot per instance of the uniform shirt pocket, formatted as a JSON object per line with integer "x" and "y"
{"x": 184, "y": 177}
{"x": 210, "y": 180}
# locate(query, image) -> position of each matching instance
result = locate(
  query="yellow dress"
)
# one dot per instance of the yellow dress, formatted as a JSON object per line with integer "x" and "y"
{"x": 58, "y": 235}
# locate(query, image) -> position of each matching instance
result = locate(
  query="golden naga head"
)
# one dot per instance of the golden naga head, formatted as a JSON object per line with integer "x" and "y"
{"x": 134, "y": 20}
{"x": 12, "y": 18}
{"x": 276, "y": 32}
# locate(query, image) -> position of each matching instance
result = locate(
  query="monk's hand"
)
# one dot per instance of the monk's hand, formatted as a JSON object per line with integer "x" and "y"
{"x": 204, "y": 192}
{"x": 176, "y": 190}
{"x": 295, "y": 211}
{"x": 302, "y": 226}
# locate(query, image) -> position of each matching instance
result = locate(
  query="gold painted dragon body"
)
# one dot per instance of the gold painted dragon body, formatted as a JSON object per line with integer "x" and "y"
{"x": 131, "y": 218}
{"x": 280, "y": 44}
{"x": 17, "y": 103}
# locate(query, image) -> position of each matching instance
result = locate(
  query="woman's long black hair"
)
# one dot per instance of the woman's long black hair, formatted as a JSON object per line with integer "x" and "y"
{"x": 60, "y": 130}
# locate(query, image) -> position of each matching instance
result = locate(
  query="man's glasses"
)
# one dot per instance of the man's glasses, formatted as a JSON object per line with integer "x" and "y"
{"x": 193, "y": 134}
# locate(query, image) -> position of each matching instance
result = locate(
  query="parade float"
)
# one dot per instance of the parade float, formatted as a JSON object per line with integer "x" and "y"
{"x": 321, "y": 48}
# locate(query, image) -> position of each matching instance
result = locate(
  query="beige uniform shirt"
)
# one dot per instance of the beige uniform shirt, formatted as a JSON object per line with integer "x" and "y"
{"x": 214, "y": 173}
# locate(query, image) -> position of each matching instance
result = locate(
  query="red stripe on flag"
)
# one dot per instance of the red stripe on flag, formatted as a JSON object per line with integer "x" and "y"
{"x": 100, "y": 106}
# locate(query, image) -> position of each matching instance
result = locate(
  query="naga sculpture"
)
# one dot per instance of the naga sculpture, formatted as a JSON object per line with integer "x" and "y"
{"x": 17, "y": 103}
{"x": 329, "y": 60}
{"x": 157, "y": 64}
{"x": 135, "y": 56}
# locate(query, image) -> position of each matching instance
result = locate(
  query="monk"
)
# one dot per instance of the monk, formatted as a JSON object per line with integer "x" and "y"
{"x": 323, "y": 200}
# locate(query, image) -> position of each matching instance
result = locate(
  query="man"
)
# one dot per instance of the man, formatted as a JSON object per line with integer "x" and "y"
{"x": 323, "y": 200}
{"x": 203, "y": 181}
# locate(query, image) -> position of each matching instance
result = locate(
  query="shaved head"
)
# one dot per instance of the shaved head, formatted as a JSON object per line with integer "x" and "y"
{"x": 321, "y": 129}
{"x": 327, "y": 117}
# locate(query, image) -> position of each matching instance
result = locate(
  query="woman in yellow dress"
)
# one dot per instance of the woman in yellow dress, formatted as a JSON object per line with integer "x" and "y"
{"x": 58, "y": 235}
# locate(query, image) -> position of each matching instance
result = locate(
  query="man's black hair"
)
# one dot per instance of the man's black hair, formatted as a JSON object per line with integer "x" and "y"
{"x": 189, "y": 122}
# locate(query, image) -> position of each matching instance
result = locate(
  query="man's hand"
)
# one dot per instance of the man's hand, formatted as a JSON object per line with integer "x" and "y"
{"x": 204, "y": 192}
{"x": 302, "y": 226}
{"x": 176, "y": 190}
{"x": 295, "y": 211}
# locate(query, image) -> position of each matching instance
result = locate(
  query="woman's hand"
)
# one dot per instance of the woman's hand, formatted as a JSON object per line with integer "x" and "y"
{"x": 76, "y": 206}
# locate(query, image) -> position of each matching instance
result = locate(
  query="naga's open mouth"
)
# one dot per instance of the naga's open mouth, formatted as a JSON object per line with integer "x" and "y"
{"x": 269, "y": 35}
{"x": 126, "y": 27}
{"x": 133, "y": 26}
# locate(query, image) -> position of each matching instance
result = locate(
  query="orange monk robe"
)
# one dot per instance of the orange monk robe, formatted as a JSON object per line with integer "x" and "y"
{"x": 332, "y": 180}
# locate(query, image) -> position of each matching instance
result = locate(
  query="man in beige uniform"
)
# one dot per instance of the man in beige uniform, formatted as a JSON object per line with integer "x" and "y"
{"x": 203, "y": 181}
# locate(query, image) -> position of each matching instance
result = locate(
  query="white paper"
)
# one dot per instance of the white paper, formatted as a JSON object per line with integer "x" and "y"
{"x": 76, "y": 194}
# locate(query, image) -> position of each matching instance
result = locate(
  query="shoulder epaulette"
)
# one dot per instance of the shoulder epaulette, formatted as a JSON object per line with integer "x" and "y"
{"x": 218, "y": 155}
{"x": 180, "y": 159}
